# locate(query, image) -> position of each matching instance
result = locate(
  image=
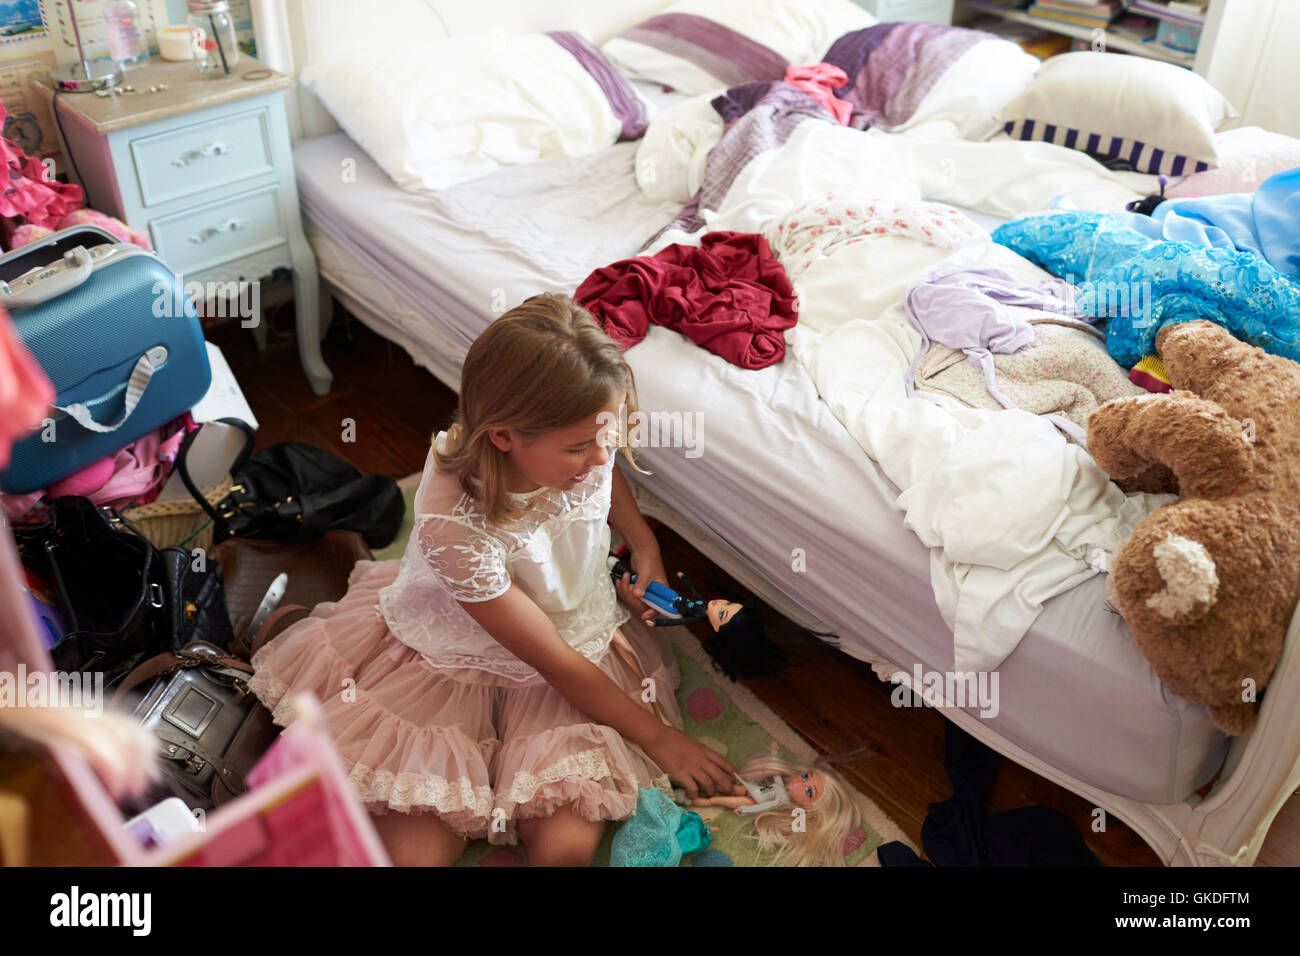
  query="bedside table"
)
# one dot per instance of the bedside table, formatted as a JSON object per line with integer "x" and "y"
{"x": 204, "y": 167}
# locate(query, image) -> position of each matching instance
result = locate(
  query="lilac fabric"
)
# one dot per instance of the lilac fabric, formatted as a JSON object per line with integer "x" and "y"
{"x": 965, "y": 308}
{"x": 627, "y": 106}
{"x": 716, "y": 49}
{"x": 892, "y": 66}
{"x": 762, "y": 117}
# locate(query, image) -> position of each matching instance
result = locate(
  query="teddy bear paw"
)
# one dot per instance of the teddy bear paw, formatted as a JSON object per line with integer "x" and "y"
{"x": 1189, "y": 574}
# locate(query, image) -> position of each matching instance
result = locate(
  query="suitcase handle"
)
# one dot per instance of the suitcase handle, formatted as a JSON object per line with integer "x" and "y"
{"x": 49, "y": 283}
{"x": 141, "y": 373}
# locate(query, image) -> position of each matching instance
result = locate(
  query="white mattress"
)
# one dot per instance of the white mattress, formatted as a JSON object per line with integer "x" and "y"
{"x": 778, "y": 471}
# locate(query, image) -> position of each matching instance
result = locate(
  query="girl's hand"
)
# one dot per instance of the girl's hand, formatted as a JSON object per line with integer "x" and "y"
{"x": 648, "y": 566}
{"x": 700, "y": 770}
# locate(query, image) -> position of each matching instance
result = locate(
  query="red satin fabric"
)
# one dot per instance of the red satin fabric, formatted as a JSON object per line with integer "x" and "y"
{"x": 729, "y": 295}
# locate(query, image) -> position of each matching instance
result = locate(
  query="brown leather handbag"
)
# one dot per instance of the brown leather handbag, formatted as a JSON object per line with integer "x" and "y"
{"x": 317, "y": 572}
{"x": 211, "y": 729}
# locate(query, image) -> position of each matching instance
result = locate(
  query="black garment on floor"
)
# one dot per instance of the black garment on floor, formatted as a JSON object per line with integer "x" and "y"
{"x": 957, "y": 833}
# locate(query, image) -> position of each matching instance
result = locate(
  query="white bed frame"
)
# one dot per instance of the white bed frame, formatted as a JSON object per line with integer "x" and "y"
{"x": 1262, "y": 768}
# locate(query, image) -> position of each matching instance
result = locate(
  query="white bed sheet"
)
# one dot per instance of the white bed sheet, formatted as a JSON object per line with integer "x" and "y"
{"x": 778, "y": 470}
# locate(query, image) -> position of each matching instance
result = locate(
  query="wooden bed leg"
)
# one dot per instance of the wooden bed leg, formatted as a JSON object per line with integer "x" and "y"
{"x": 306, "y": 294}
{"x": 326, "y": 305}
{"x": 259, "y": 330}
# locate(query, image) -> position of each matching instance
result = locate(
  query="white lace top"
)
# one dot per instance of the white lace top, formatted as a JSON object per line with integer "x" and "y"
{"x": 556, "y": 555}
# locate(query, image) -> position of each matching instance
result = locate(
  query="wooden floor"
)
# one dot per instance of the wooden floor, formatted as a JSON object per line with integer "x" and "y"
{"x": 389, "y": 407}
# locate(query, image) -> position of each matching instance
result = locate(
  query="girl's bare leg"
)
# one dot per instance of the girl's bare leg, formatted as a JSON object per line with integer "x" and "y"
{"x": 418, "y": 839}
{"x": 561, "y": 839}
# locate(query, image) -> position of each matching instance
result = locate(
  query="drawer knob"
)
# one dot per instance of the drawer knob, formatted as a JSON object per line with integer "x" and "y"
{"x": 206, "y": 233}
{"x": 190, "y": 155}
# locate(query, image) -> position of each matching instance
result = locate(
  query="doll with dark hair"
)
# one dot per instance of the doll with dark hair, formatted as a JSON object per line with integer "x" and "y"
{"x": 739, "y": 644}
{"x": 1147, "y": 204}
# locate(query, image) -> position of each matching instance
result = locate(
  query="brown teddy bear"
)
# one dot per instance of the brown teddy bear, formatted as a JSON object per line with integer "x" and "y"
{"x": 1209, "y": 583}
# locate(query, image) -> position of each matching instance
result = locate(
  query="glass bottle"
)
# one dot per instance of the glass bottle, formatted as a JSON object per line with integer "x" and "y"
{"x": 216, "y": 49}
{"x": 126, "y": 36}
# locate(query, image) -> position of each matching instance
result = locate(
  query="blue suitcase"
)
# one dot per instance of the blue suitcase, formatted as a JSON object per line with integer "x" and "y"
{"x": 116, "y": 335}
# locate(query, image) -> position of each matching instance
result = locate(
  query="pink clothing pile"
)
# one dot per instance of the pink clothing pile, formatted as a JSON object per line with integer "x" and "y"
{"x": 30, "y": 193}
{"x": 26, "y": 393}
{"x": 133, "y": 476}
{"x": 34, "y": 204}
{"x": 820, "y": 80}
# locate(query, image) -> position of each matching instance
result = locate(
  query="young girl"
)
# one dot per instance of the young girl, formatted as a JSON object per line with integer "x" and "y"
{"x": 489, "y": 684}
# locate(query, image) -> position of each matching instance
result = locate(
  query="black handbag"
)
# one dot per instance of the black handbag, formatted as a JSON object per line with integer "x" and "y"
{"x": 295, "y": 492}
{"x": 121, "y": 600}
{"x": 195, "y": 599}
{"x": 211, "y": 729}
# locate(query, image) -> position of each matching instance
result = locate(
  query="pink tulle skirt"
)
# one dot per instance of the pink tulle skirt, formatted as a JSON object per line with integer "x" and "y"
{"x": 418, "y": 739}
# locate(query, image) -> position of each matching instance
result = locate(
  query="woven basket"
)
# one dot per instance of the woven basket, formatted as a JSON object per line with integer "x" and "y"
{"x": 182, "y": 521}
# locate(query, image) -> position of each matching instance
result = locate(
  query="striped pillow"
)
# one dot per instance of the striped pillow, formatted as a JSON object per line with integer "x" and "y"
{"x": 699, "y": 46}
{"x": 1143, "y": 157}
{"x": 1157, "y": 117}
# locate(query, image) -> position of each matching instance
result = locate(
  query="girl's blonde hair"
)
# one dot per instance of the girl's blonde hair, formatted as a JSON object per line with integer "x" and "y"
{"x": 543, "y": 365}
{"x": 829, "y": 821}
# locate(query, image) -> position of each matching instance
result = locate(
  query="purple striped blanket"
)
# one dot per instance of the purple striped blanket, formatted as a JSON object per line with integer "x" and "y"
{"x": 890, "y": 67}
{"x": 627, "y": 106}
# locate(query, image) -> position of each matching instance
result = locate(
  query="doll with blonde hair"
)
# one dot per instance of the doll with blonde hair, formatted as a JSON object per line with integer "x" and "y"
{"x": 801, "y": 815}
{"x": 489, "y": 683}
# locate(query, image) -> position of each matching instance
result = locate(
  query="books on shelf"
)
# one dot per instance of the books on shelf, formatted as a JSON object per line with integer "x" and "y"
{"x": 1192, "y": 14}
{"x": 1083, "y": 6}
{"x": 1131, "y": 27}
{"x": 1032, "y": 39}
{"x": 1046, "y": 44}
{"x": 1184, "y": 37}
{"x": 1064, "y": 13}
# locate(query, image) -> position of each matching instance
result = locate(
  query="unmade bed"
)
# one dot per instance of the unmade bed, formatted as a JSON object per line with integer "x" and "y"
{"x": 778, "y": 471}
{"x": 815, "y": 481}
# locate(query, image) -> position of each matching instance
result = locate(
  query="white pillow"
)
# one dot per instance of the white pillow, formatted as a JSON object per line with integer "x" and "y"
{"x": 747, "y": 40}
{"x": 1247, "y": 156}
{"x": 974, "y": 89}
{"x": 1159, "y": 117}
{"x": 447, "y": 110}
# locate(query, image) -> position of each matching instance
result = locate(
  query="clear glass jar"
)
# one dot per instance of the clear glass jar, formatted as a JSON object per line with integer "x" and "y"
{"x": 212, "y": 30}
{"x": 127, "y": 44}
